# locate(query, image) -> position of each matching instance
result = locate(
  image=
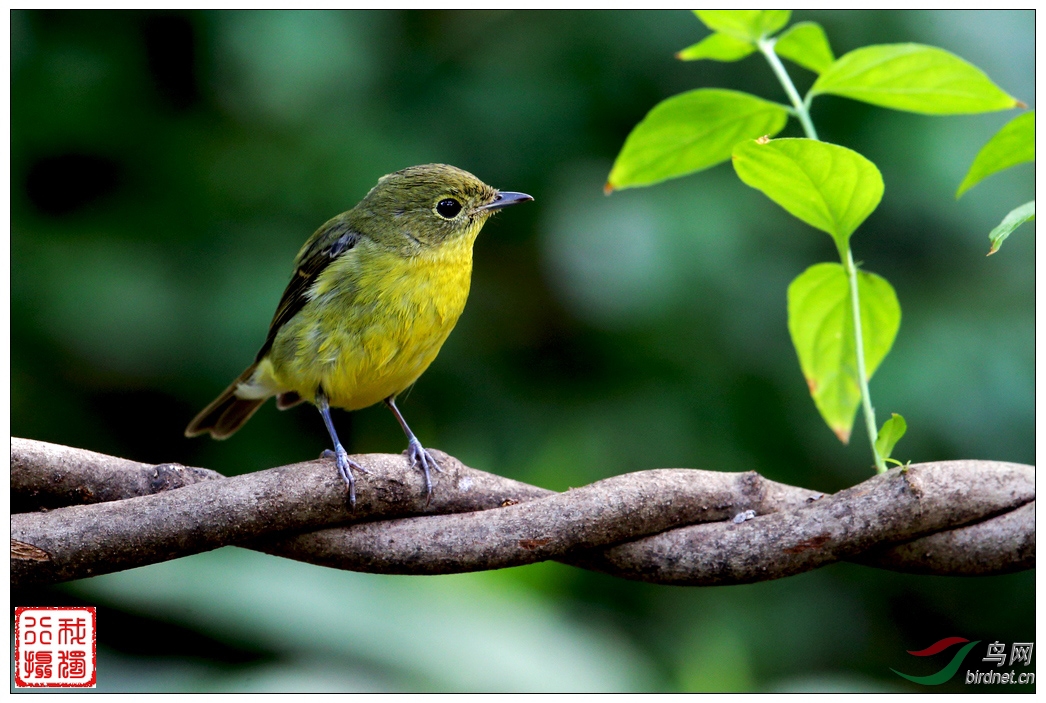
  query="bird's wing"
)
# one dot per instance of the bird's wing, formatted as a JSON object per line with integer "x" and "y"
{"x": 333, "y": 240}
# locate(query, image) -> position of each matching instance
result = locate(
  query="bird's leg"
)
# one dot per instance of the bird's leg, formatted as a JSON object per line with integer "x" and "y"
{"x": 417, "y": 454}
{"x": 341, "y": 457}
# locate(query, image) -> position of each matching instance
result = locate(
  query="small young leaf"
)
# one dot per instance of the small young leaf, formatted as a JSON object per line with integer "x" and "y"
{"x": 806, "y": 44}
{"x": 820, "y": 321}
{"x": 746, "y": 25}
{"x": 1017, "y": 217}
{"x": 1013, "y": 144}
{"x": 892, "y": 430}
{"x": 915, "y": 78}
{"x": 826, "y": 186}
{"x": 690, "y": 132}
{"x": 717, "y": 47}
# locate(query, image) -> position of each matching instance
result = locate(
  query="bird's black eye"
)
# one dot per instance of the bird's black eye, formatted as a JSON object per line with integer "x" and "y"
{"x": 448, "y": 208}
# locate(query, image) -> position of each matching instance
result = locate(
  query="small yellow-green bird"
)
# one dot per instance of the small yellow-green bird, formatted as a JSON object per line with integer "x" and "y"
{"x": 375, "y": 293}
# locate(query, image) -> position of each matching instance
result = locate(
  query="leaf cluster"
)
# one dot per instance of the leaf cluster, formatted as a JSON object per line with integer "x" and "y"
{"x": 909, "y": 77}
{"x": 842, "y": 321}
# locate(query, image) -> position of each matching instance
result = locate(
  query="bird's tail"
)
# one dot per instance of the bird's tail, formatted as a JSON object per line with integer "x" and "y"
{"x": 227, "y": 412}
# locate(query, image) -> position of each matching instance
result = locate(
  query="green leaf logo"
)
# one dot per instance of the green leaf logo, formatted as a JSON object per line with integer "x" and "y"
{"x": 948, "y": 671}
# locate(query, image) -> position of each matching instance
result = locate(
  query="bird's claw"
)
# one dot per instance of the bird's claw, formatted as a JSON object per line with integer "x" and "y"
{"x": 345, "y": 467}
{"x": 329, "y": 454}
{"x": 419, "y": 456}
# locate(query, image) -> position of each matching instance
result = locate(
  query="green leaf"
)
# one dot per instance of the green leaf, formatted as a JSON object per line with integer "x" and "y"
{"x": 746, "y": 25}
{"x": 717, "y": 47}
{"x": 806, "y": 44}
{"x": 820, "y": 321}
{"x": 691, "y": 132}
{"x": 826, "y": 186}
{"x": 915, "y": 78}
{"x": 1017, "y": 217}
{"x": 1013, "y": 144}
{"x": 892, "y": 430}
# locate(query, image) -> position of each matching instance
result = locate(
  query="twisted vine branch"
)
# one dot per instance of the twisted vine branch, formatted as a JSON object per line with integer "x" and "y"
{"x": 95, "y": 514}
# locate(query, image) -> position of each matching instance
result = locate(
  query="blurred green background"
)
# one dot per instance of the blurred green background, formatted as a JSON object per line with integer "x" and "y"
{"x": 165, "y": 169}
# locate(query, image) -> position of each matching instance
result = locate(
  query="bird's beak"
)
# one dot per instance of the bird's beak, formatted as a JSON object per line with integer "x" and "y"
{"x": 504, "y": 199}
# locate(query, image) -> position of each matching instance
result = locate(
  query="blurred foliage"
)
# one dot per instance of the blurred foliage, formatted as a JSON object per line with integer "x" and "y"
{"x": 166, "y": 167}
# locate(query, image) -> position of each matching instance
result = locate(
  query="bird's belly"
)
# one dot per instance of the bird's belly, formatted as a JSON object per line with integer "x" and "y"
{"x": 385, "y": 359}
{"x": 376, "y": 342}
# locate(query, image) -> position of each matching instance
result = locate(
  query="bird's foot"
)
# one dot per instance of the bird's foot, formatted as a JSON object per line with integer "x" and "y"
{"x": 420, "y": 457}
{"x": 345, "y": 467}
{"x": 329, "y": 454}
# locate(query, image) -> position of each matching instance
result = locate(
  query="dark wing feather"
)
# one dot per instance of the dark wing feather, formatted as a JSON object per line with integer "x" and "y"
{"x": 333, "y": 240}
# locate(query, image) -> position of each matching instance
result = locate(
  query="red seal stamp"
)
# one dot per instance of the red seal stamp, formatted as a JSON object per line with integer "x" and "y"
{"x": 55, "y": 647}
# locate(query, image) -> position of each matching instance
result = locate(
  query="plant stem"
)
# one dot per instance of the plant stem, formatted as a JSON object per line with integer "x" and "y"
{"x": 802, "y": 111}
{"x": 862, "y": 373}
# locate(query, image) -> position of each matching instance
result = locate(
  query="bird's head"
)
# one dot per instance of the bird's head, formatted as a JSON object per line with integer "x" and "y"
{"x": 430, "y": 204}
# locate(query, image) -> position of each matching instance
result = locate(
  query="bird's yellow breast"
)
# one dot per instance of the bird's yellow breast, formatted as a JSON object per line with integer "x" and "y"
{"x": 375, "y": 321}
